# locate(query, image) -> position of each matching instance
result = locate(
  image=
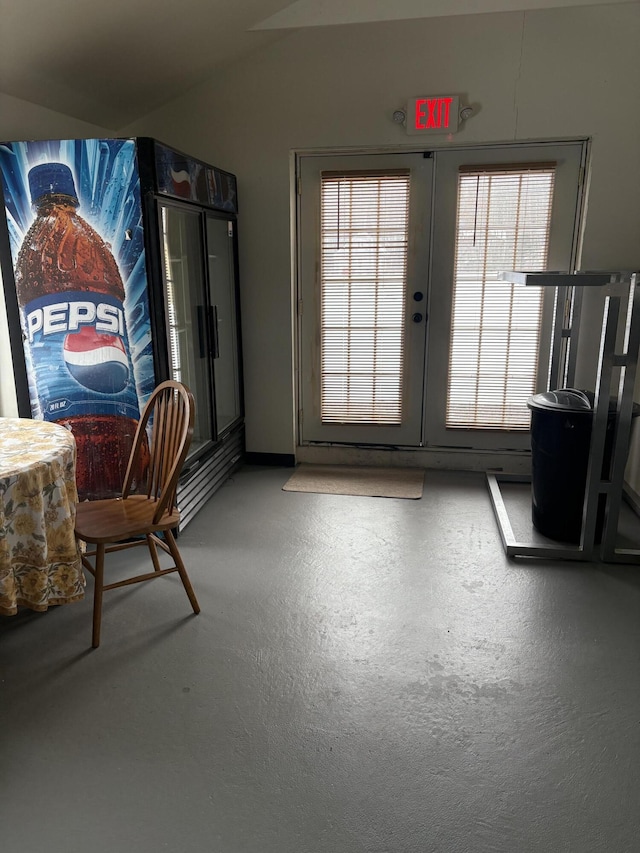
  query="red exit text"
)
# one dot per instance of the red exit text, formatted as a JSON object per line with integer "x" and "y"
{"x": 434, "y": 114}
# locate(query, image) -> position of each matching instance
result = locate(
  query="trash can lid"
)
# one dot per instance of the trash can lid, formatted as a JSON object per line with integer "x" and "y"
{"x": 568, "y": 399}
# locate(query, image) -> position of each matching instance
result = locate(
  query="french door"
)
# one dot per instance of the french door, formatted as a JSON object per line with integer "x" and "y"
{"x": 364, "y": 262}
{"x": 403, "y": 322}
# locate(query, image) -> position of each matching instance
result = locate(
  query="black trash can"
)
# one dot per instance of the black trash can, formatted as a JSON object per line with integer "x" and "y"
{"x": 561, "y": 423}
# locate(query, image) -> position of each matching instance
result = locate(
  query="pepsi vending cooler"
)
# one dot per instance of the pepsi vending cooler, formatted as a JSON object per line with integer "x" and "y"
{"x": 119, "y": 264}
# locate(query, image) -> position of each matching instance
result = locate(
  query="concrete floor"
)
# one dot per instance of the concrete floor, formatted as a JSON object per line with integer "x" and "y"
{"x": 366, "y": 675}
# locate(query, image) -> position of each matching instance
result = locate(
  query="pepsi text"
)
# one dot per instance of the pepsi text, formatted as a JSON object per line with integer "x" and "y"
{"x": 69, "y": 316}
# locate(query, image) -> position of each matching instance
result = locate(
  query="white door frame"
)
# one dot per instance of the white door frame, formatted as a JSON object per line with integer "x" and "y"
{"x": 429, "y": 456}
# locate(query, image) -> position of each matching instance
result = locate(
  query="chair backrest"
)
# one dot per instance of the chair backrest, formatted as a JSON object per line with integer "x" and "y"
{"x": 171, "y": 411}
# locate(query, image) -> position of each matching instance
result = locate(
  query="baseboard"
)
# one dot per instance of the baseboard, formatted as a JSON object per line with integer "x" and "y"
{"x": 275, "y": 460}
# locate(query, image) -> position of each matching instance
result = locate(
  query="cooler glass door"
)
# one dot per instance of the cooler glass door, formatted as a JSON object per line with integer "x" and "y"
{"x": 222, "y": 291}
{"x": 187, "y": 314}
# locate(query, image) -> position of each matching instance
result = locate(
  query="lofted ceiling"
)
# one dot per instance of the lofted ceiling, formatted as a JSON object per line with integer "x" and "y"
{"x": 113, "y": 61}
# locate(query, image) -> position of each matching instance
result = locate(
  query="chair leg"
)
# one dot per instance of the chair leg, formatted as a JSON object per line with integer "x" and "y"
{"x": 184, "y": 577}
{"x": 153, "y": 551}
{"x": 98, "y": 584}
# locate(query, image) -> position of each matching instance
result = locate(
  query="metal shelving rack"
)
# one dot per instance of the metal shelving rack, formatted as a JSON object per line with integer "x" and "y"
{"x": 622, "y": 300}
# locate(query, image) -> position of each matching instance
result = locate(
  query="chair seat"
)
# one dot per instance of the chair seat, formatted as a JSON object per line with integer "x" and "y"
{"x": 115, "y": 519}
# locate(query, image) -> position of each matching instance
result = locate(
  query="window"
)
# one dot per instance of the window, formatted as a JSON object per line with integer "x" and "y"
{"x": 503, "y": 223}
{"x": 363, "y": 265}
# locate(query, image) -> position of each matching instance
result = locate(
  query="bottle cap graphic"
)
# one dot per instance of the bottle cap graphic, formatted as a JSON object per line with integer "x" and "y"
{"x": 51, "y": 178}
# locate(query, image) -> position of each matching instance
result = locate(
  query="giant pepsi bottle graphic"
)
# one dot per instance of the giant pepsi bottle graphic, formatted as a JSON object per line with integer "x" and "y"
{"x": 71, "y": 299}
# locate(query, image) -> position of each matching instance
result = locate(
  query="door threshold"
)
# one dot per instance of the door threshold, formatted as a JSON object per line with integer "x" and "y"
{"x": 453, "y": 459}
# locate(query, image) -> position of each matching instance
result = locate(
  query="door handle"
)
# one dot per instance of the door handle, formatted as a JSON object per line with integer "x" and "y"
{"x": 201, "y": 331}
{"x": 213, "y": 330}
{"x": 417, "y": 317}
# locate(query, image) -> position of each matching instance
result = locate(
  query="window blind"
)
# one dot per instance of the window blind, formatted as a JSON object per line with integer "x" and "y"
{"x": 503, "y": 223}
{"x": 363, "y": 263}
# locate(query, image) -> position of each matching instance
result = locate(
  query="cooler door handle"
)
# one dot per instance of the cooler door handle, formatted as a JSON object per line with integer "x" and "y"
{"x": 213, "y": 330}
{"x": 202, "y": 331}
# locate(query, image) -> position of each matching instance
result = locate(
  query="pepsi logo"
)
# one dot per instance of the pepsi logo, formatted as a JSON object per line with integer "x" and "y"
{"x": 97, "y": 361}
{"x": 181, "y": 182}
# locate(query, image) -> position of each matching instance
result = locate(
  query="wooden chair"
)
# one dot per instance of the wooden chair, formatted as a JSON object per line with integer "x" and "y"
{"x": 140, "y": 517}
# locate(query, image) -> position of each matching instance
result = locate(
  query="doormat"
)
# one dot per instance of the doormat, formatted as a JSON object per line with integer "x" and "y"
{"x": 368, "y": 482}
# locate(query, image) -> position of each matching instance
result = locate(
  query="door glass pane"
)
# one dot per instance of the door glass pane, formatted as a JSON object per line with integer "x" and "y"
{"x": 186, "y": 316}
{"x": 363, "y": 262}
{"x": 222, "y": 285}
{"x": 503, "y": 223}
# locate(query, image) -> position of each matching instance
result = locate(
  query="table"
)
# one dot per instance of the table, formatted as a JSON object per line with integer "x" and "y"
{"x": 40, "y": 561}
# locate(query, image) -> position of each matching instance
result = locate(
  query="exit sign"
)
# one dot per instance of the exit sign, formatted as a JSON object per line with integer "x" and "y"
{"x": 433, "y": 114}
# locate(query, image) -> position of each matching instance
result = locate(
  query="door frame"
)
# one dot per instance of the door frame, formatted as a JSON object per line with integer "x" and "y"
{"x": 442, "y": 456}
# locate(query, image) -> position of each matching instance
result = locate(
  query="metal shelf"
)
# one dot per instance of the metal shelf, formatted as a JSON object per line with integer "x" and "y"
{"x": 622, "y": 300}
{"x": 564, "y": 279}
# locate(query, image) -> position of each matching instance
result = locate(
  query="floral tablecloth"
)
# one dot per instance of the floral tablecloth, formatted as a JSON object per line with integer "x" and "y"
{"x": 40, "y": 562}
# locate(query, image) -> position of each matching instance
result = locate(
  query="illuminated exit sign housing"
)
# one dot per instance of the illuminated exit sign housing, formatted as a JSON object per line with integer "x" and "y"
{"x": 433, "y": 114}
